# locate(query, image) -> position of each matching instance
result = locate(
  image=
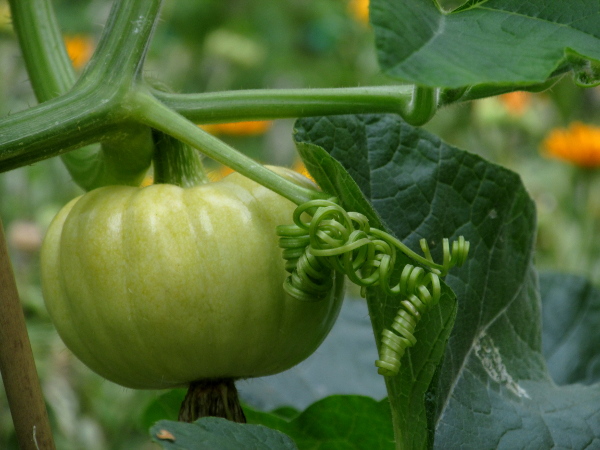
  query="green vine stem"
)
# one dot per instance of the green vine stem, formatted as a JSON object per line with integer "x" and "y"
{"x": 95, "y": 109}
{"x": 176, "y": 163}
{"x": 17, "y": 365}
{"x": 121, "y": 52}
{"x": 151, "y": 112}
{"x": 88, "y": 112}
{"x": 54, "y": 127}
{"x": 423, "y": 105}
{"x": 52, "y": 74}
{"x": 415, "y": 104}
{"x": 256, "y": 104}
{"x": 40, "y": 40}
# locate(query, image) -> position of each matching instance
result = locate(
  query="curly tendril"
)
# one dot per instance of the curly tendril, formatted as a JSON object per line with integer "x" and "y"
{"x": 337, "y": 240}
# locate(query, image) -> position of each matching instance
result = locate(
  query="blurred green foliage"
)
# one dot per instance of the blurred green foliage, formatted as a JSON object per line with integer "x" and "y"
{"x": 212, "y": 45}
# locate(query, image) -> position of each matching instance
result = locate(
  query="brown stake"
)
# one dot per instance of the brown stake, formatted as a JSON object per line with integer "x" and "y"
{"x": 17, "y": 367}
{"x": 212, "y": 398}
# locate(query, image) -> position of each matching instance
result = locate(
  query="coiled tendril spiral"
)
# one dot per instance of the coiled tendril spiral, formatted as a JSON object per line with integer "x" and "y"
{"x": 341, "y": 241}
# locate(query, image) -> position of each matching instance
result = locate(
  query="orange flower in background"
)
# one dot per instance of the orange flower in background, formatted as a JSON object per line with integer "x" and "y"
{"x": 220, "y": 173}
{"x": 223, "y": 171}
{"x": 80, "y": 49}
{"x": 251, "y": 128}
{"x": 359, "y": 10}
{"x": 579, "y": 144}
{"x": 516, "y": 103}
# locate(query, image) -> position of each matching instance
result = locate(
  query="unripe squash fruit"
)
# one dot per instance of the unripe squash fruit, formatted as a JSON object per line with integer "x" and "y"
{"x": 160, "y": 286}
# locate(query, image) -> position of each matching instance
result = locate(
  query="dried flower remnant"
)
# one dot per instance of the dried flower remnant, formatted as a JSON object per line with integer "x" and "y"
{"x": 579, "y": 144}
{"x": 165, "y": 435}
{"x": 80, "y": 49}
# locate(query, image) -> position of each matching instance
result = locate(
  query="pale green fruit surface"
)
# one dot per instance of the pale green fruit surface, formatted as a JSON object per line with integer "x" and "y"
{"x": 159, "y": 286}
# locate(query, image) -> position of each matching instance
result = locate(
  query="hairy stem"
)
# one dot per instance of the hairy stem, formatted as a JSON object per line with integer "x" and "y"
{"x": 53, "y": 127}
{"x": 50, "y": 70}
{"x": 258, "y": 104}
{"x": 122, "y": 49}
{"x": 153, "y": 113}
{"x": 176, "y": 163}
{"x": 123, "y": 46}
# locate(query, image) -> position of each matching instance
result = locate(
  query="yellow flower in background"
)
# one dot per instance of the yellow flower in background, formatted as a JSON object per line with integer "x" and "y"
{"x": 80, "y": 49}
{"x": 5, "y": 18}
{"x": 301, "y": 169}
{"x": 579, "y": 144}
{"x": 359, "y": 9}
{"x": 516, "y": 103}
{"x": 251, "y": 128}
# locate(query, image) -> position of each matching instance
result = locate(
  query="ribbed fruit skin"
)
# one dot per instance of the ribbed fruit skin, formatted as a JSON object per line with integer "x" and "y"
{"x": 159, "y": 286}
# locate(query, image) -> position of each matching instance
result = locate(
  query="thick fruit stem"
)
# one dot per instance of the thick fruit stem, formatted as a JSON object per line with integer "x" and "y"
{"x": 212, "y": 398}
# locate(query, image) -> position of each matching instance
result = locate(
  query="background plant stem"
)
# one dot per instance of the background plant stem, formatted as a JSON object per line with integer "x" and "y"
{"x": 17, "y": 366}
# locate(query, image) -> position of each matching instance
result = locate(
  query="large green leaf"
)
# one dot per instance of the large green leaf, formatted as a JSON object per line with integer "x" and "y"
{"x": 211, "y": 433}
{"x": 335, "y": 422}
{"x": 165, "y": 406}
{"x": 493, "y": 389}
{"x": 408, "y": 388}
{"x": 571, "y": 332}
{"x": 487, "y": 42}
{"x": 338, "y": 422}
